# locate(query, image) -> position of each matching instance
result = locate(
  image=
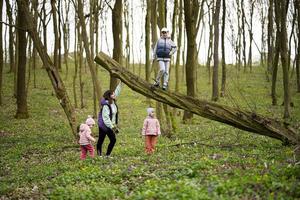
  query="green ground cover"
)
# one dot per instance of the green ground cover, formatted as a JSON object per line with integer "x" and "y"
{"x": 202, "y": 160}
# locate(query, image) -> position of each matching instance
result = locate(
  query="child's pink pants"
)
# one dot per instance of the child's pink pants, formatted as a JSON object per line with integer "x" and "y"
{"x": 150, "y": 142}
{"x": 85, "y": 149}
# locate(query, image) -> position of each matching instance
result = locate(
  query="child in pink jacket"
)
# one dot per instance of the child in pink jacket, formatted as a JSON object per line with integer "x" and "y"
{"x": 86, "y": 139}
{"x": 151, "y": 130}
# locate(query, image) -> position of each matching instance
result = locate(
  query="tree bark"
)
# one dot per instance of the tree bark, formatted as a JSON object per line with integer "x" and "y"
{"x": 147, "y": 41}
{"x": 270, "y": 36}
{"x": 223, "y": 86}
{"x": 177, "y": 65}
{"x": 22, "y": 111}
{"x": 56, "y": 36}
{"x": 297, "y": 4}
{"x": 11, "y": 37}
{"x": 1, "y": 52}
{"x": 162, "y": 14}
{"x": 243, "y": 120}
{"x": 84, "y": 36}
{"x": 215, "y": 81}
{"x": 53, "y": 74}
{"x": 280, "y": 10}
{"x": 117, "y": 36}
{"x": 191, "y": 9}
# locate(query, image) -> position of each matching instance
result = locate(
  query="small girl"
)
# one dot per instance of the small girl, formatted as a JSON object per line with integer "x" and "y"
{"x": 151, "y": 130}
{"x": 86, "y": 138}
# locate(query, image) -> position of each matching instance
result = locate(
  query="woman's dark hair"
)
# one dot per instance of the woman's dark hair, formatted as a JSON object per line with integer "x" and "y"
{"x": 107, "y": 94}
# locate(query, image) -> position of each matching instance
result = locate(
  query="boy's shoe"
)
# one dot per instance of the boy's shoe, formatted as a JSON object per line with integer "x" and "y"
{"x": 165, "y": 87}
{"x": 156, "y": 84}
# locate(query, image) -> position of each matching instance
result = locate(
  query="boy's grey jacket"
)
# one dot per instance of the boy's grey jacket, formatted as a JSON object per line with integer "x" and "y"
{"x": 164, "y": 49}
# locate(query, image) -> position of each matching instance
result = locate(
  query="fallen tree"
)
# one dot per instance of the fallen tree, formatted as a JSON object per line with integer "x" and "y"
{"x": 243, "y": 120}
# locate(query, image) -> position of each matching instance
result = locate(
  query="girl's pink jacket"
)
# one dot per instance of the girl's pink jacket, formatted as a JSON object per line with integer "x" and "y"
{"x": 85, "y": 135}
{"x": 151, "y": 126}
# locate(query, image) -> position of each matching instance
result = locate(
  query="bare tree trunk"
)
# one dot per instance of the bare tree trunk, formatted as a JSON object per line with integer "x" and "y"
{"x": 177, "y": 65}
{"x": 132, "y": 39}
{"x": 81, "y": 83}
{"x": 84, "y": 36}
{"x": 215, "y": 79}
{"x": 191, "y": 9}
{"x": 53, "y": 74}
{"x": 66, "y": 37}
{"x": 92, "y": 29}
{"x": 298, "y": 49}
{"x": 147, "y": 40}
{"x": 44, "y": 24}
{"x": 162, "y": 14}
{"x": 291, "y": 37}
{"x": 211, "y": 36}
{"x": 238, "y": 41}
{"x": 241, "y": 119}
{"x": 275, "y": 69}
{"x": 56, "y": 36}
{"x": 117, "y": 35}
{"x": 154, "y": 39}
{"x": 11, "y": 37}
{"x": 250, "y": 36}
{"x": 270, "y": 39}
{"x": 223, "y": 87}
{"x": 22, "y": 111}
{"x": 1, "y": 51}
{"x": 75, "y": 63}
{"x": 280, "y": 10}
{"x": 244, "y": 35}
{"x": 126, "y": 23}
{"x": 59, "y": 35}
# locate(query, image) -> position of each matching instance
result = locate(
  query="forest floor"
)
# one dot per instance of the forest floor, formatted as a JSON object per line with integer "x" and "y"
{"x": 202, "y": 160}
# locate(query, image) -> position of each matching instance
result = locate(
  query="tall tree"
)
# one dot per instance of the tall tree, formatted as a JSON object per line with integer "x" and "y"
{"x": 56, "y": 36}
{"x": 66, "y": 36}
{"x": 250, "y": 35}
{"x": 126, "y": 23}
{"x": 280, "y": 11}
{"x": 210, "y": 7}
{"x": 53, "y": 74}
{"x": 161, "y": 22}
{"x": 297, "y": 2}
{"x": 191, "y": 9}
{"x": 223, "y": 85}
{"x": 147, "y": 40}
{"x": 11, "y": 37}
{"x": 270, "y": 39}
{"x": 1, "y": 52}
{"x": 22, "y": 111}
{"x": 215, "y": 80}
{"x": 244, "y": 34}
{"x": 84, "y": 36}
{"x": 179, "y": 38}
{"x": 117, "y": 36}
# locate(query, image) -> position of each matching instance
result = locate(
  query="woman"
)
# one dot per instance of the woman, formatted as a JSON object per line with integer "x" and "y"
{"x": 108, "y": 120}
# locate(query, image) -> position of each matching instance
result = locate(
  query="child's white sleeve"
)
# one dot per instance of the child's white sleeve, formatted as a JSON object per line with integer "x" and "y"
{"x": 173, "y": 47}
{"x": 105, "y": 116}
{"x": 118, "y": 89}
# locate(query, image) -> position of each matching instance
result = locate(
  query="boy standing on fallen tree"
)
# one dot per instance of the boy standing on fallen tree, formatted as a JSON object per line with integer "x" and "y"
{"x": 162, "y": 52}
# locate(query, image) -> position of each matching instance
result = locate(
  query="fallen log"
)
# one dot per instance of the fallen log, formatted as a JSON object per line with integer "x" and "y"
{"x": 241, "y": 119}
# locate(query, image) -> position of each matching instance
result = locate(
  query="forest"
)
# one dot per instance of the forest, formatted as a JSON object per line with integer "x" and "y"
{"x": 218, "y": 80}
